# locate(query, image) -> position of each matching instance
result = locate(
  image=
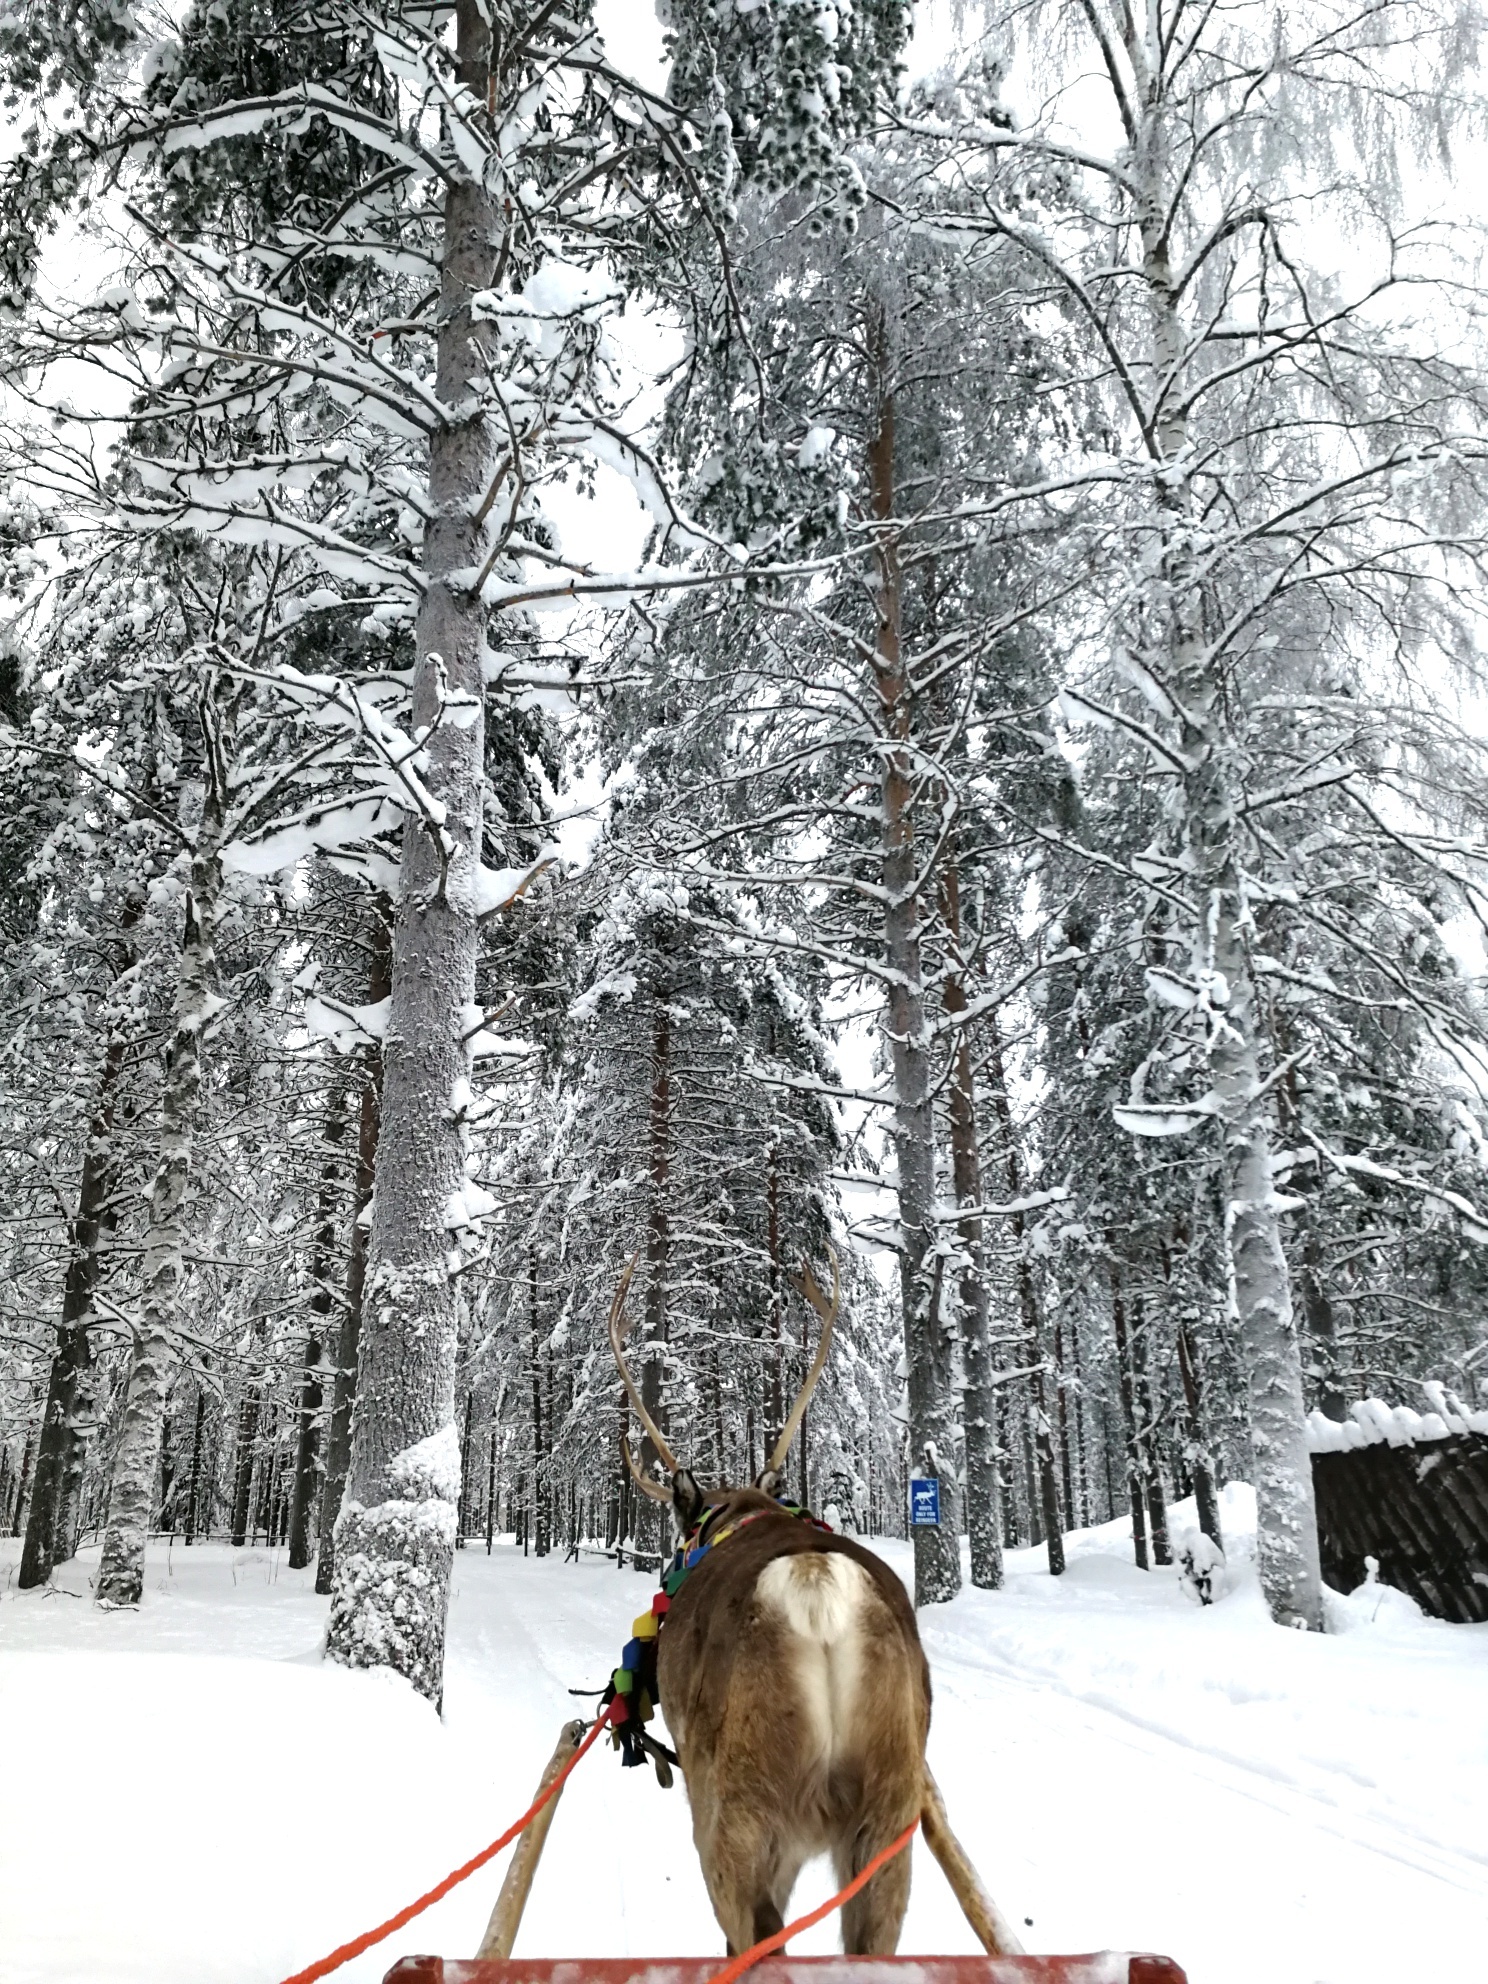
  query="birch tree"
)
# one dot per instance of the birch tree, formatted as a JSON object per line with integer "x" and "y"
{"x": 1263, "y": 412}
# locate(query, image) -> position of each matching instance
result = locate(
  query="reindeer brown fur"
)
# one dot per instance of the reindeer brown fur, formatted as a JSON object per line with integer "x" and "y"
{"x": 797, "y": 1695}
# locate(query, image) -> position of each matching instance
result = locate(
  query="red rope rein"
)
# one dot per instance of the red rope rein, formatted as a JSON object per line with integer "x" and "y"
{"x": 370, "y": 1937}
{"x": 735, "y": 1967}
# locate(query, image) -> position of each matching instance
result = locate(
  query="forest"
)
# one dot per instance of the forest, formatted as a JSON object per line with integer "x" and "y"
{"x": 815, "y": 630}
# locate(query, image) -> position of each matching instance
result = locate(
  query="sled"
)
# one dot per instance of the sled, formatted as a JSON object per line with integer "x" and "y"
{"x": 1105, "y": 1967}
{"x": 496, "y": 1965}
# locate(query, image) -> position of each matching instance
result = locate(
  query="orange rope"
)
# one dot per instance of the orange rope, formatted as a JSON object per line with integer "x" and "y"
{"x": 405, "y": 1915}
{"x": 739, "y": 1964}
{"x": 734, "y": 1968}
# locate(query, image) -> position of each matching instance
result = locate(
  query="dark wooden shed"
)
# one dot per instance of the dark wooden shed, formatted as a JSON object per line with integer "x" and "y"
{"x": 1412, "y": 1493}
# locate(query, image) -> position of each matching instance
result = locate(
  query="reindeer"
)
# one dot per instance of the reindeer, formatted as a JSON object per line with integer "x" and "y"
{"x": 795, "y": 1690}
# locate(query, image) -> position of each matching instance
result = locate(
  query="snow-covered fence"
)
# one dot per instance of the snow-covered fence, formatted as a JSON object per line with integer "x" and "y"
{"x": 1410, "y": 1490}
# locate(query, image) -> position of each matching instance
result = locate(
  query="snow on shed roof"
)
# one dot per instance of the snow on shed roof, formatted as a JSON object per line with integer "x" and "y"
{"x": 1372, "y": 1423}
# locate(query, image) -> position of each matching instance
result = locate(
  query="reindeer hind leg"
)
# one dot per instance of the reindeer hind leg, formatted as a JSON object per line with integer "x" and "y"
{"x": 770, "y": 1912}
{"x": 749, "y": 1883}
{"x": 872, "y": 1920}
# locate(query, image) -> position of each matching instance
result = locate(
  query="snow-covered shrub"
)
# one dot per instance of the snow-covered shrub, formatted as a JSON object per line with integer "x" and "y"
{"x": 1202, "y": 1570}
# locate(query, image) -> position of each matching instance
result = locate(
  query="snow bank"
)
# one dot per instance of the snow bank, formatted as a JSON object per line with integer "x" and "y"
{"x": 1256, "y": 1803}
{"x": 194, "y": 1797}
{"x": 1372, "y": 1604}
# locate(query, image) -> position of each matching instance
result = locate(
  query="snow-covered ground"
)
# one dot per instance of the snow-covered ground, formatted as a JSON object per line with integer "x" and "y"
{"x": 192, "y": 1795}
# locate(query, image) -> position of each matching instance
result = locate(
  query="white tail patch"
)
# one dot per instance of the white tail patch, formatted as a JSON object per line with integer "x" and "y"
{"x": 819, "y": 1597}
{"x": 817, "y": 1594}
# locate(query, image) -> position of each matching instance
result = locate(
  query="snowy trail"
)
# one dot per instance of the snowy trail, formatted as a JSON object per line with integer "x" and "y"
{"x": 1126, "y": 1769}
{"x": 1336, "y": 1793}
{"x": 1263, "y": 1780}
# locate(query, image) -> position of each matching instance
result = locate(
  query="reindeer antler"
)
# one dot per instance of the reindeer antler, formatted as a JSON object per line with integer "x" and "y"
{"x": 618, "y": 1335}
{"x": 811, "y": 1289}
{"x": 643, "y": 1481}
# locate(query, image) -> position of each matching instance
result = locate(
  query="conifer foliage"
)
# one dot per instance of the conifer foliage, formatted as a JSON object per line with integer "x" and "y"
{"x": 1016, "y": 821}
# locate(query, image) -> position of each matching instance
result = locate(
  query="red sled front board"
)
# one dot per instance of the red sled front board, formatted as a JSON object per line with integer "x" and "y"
{"x": 1106, "y": 1967}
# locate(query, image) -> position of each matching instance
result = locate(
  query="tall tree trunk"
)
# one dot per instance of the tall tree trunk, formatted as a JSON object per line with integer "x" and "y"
{"x": 302, "y": 1496}
{"x": 774, "y": 1386}
{"x": 1322, "y": 1325}
{"x": 307, "y": 1438}
{"x": 927, "y": 1341}
{"x": 343, "y": 1395}
{"x": 1006, "y": 1481}
{"x": 1081, "y": 1438}
{"x": 166, "y": 1519}
{"x": 1286, "y": 1517}
{"x": 465, "y": 1461}
{"x": 491, "y": 1453}
{"x": 650, "y": 1520}
{"x": 1152, "y": 1480}
{"x": 1046, "y": 1486}
{"x": 1082, "y": 1428}
{"x": 121, "y": 1567}
{"x": 539, "y": 1441}
{"x": 22, "y": 1483}
{"x": 268, "y": 1480}
{"x": 60, "y": 1446}
{"x": 1206, "y": 1495}
{"x": 1107, "y": 1442}
{"x": 715, "y": 1393}
{"x": 193, "y": 1490}
{"x": 1032, "y": 1500}
{"x": 396, "y": 1532}
{"x": 622, "y": 1483}
{"x": 1134, "y": 1482}
{"x": 1061, "y": 1401}
{"x": 979, "y": 1406}
{"x": 243, "y": 1461}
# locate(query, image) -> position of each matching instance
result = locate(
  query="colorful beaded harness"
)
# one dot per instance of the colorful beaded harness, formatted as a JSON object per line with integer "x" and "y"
{"x": 633, "y": 1687}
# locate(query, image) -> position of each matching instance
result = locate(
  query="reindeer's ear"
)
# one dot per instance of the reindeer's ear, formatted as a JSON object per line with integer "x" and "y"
{"x": 687, "y": 1497}
{"x": 768, "y": 1480}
